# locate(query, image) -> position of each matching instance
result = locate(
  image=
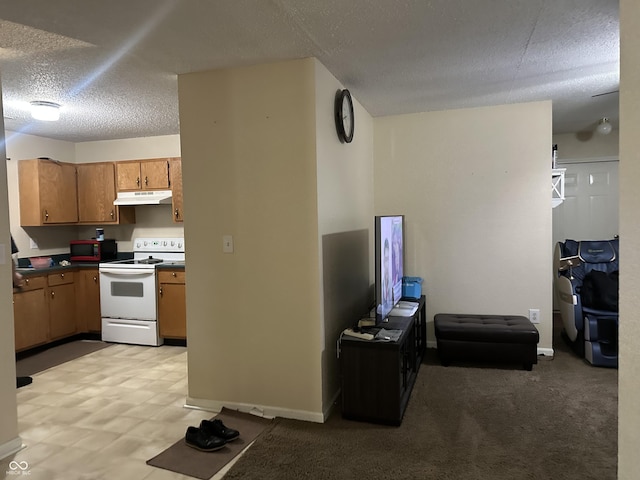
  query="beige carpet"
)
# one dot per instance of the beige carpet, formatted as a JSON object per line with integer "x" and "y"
{"x": 185, "y": 460}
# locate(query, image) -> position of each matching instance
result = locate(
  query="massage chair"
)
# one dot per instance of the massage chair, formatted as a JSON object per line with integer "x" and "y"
{"x": 591, "y": 332}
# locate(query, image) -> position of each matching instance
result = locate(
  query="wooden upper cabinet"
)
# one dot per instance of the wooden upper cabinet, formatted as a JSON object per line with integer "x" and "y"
{"x": 128, "y": 175}
{"x": 155, "y": 174}
{"x": 96, "y": 194}
{"x": 48, "y": 192}
{"x": 150, "y": 174}
{"x": 175, "y": 173}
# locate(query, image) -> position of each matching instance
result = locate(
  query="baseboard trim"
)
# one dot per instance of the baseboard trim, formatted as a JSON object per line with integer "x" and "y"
{"x": 259, "y": 410}
{"x": 547, "y": 352}
{"x": 10, "y": 447}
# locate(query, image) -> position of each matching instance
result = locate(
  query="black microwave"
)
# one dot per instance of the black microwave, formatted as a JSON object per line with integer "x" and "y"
{"x": 93, "y": 250}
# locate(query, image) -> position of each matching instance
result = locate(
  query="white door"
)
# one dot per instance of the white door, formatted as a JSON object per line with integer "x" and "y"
{"x": 590, "y": 208}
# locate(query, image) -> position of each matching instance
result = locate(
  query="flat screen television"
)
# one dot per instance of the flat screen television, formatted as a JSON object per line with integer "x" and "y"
{"x": 389, "y": 263}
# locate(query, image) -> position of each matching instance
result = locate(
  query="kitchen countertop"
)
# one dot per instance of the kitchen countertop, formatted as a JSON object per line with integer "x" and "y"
{"x": 29, "y": 271}
{"x": 174, "y": 264}
{"x": 36, "y": 272}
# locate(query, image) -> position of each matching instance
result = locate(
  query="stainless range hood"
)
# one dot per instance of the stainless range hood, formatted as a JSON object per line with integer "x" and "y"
{"x": 149, "y": 197}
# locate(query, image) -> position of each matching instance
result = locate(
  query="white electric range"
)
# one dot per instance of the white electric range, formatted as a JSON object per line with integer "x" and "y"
{"x": 128, "y": 291}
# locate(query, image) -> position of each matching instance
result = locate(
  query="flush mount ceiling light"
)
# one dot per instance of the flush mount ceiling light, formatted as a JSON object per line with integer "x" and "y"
{"x": 604, "y": 127}
{"x": 47, "y": 111}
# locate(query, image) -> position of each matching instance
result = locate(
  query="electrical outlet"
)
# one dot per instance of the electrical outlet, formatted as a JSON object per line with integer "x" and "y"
{"x": 534, "y": 315}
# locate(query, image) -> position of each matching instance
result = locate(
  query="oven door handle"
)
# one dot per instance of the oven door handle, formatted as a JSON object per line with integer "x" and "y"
{"x": 128, "y": 271}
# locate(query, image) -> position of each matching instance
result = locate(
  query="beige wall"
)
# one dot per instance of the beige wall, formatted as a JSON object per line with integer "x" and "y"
{"x": 249, "y": 170}
{"x": 128, "y": 149}
{"x": 575, "y": 146}
{"x": 9, "y": 439}
{"x": 345, "y": 221}
{"x": 629, "y": 356}
{"x": 474, "y": 186}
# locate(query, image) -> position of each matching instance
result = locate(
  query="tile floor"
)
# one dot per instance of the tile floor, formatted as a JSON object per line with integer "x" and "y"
{"x": 103, "y": 415}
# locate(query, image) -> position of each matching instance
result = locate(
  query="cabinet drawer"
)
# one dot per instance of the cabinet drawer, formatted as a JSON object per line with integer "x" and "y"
{"x": 169, "y": 276}
{"x": 33, "y": 283}
{"x": 60, "y": 278}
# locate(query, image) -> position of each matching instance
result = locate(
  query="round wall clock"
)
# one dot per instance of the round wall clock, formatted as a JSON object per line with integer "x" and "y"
{"x": 345, "y": 122}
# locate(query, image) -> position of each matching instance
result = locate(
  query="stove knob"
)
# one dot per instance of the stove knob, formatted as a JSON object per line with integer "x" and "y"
{"x": 145, "y": 243}
{"x": 179, "y": 244}
{"x": 138, "y": 245}
{"x": 173, "y": 244}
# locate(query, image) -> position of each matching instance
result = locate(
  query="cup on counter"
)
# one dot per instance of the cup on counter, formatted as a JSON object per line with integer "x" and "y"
{"x": 99, "y": 234}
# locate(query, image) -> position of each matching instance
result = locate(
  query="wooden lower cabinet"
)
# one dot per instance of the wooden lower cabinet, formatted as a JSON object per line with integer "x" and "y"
{"x": 57, "y": 305}
{"x": 45, "y": 309}
{"x": 30, "y": 313}
{"x": 88, "y": 300}
{"x": 62, "y": 305}
{"x": 172, "y": 311}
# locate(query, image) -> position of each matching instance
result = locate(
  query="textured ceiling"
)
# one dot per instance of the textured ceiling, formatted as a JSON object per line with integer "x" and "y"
{"x": 113, "y": 64}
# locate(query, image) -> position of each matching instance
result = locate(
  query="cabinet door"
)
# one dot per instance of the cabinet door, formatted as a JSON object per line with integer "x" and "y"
{"x": 96, "y": 193}
{"x": 58, "y": 194}
{"x": 154, "y": 174}
{"x": 48, "y": 193}
{"x": 88, "y": 300}
{"x": 172, "y": 310}
{"x": 31, "y": 318}
{"x": 62, "y": 311}
{"x": 128, "y": 175}
{"x": 175, "y": 169}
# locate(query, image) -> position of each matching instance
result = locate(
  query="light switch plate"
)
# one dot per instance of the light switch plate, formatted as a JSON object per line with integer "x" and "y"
{"x": 227, "y": 244}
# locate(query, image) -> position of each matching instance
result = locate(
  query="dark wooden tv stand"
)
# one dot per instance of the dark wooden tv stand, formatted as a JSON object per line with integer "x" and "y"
{"x": 378, "y": 376}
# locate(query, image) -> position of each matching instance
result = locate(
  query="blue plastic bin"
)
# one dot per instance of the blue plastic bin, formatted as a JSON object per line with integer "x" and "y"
{"x": 412, "y": 287}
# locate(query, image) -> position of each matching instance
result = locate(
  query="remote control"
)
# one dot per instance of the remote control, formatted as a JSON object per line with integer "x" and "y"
{"x": 363, "y": 336}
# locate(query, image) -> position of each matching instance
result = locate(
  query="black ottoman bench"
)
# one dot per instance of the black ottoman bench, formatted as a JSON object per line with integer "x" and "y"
{"x": 486, "y": 337}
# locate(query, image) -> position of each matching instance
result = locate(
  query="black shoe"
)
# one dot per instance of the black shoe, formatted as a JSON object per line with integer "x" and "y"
{"x": 22, "y": 381}
{"x": 218, "y": 429}
{"x": 198, "y": 439}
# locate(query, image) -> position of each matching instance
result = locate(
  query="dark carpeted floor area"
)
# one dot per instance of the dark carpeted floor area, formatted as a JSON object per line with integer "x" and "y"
{"x": 30, "y": 363}
{"x": 463, "y": 422}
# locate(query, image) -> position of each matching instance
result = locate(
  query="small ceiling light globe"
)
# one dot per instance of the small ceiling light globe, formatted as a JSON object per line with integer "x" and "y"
{"x": 604, "y": 127}
{"x": 46, "y": 111}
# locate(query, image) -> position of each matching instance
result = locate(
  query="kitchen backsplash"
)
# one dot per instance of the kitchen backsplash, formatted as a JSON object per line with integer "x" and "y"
{"x": 151, "y": 221}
